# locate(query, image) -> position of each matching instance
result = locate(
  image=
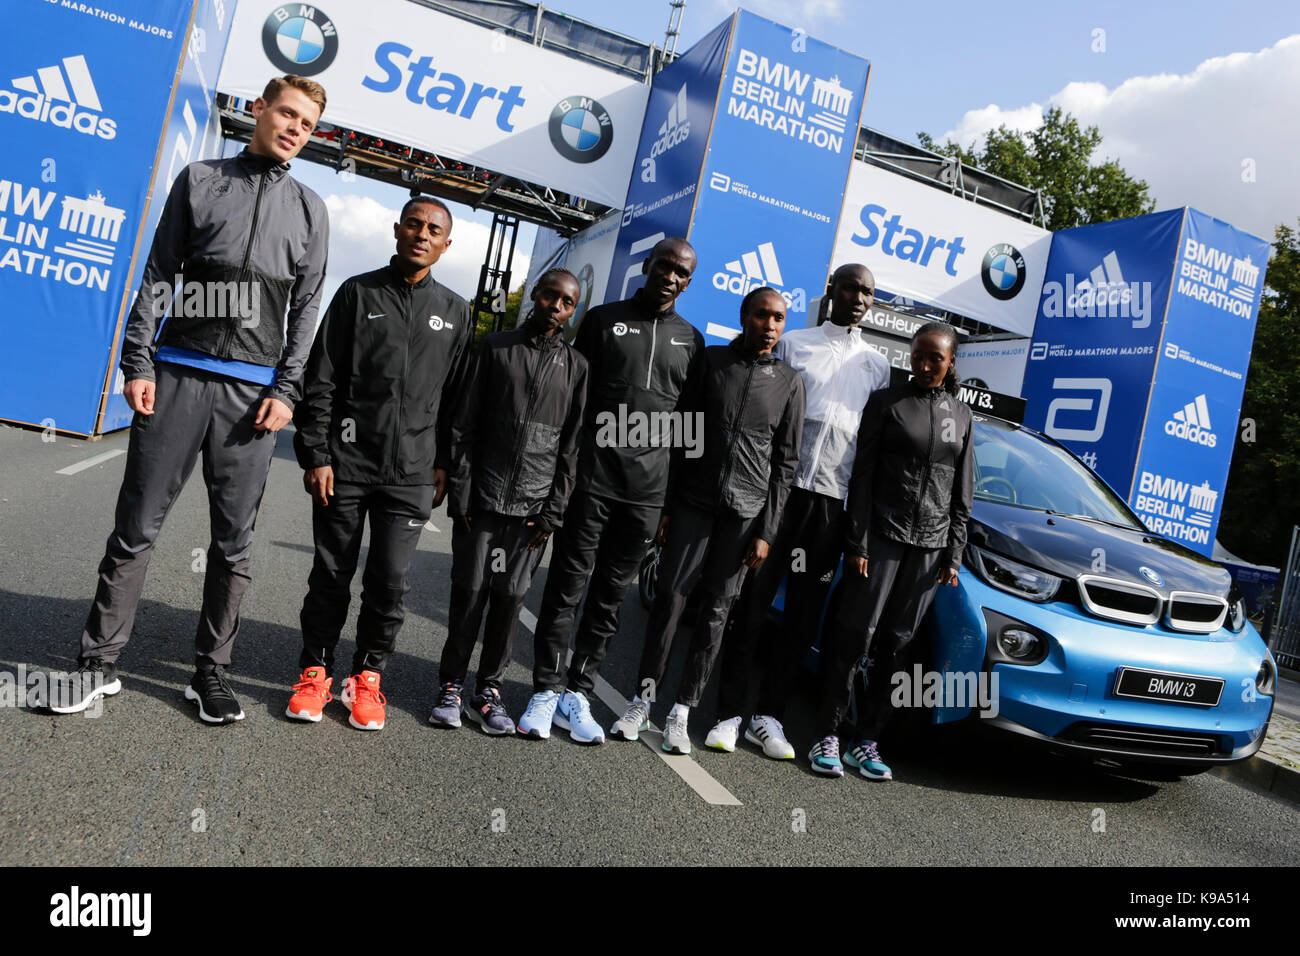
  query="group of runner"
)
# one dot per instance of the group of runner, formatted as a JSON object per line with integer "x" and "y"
{"x": 806, "y": 456}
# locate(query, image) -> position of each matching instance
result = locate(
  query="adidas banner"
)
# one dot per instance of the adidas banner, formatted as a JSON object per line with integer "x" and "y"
{"x": 784, "y": 132}
{"x": 1200, "y": 375}
{"x": 401, "y": 71}
{"x": 82, "y": 102}
{"x": 943, "y": 250}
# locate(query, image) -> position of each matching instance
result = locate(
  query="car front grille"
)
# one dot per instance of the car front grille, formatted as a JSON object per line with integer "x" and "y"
{"x": 1192, "y": 611}
{"x": 1139, "y": 740}
{"x": 1120, "y": 600}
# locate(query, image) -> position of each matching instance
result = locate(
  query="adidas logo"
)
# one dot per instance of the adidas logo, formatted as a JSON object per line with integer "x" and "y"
{"x": 1192, "y": 423}
{"x": 754, "y": 270}
{"x": 63, "y": 95}
{"x": 1102, "y": 293}
{"x": 675, "y": 129}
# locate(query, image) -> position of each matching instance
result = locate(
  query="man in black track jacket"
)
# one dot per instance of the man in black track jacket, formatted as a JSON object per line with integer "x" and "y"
{"x": 514, "y": 453}
{"x": 234, "y": 279}
{"x": 724, "y": 507}
{"x": 644, "y": 364}
{"x": 373, "y": 436}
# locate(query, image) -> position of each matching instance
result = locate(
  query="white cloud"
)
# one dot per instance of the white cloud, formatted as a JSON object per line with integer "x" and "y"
{"x": 1190, "y": 136}
{"x": 361, "y": 239}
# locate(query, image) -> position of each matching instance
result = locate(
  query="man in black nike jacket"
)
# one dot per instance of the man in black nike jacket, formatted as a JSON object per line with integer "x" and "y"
{"x": 373, "y": 438}
{"x": 644, "y": 365}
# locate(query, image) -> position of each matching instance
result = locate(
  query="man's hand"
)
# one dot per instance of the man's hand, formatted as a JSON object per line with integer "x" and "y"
{"x": 661, "y": 535}
{"x": 756, "y": 554}
{"x": 138, "y": 393}
{"x": 463, "y": 522}
{"x": 272, "y": 415}
{"x": 539, "y": 538}
{"x": 319, "y": 483}
{"x": 439, "y": 485}
{"x": 856, "y": 565}
{"x": 948, "y": 576}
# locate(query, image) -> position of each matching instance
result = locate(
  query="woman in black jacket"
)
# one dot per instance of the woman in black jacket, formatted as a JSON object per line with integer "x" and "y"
{"x": 909, "y": 499}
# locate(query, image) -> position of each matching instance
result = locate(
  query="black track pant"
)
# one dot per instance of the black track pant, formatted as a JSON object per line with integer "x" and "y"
{"x": 759, "y": 656}
{"x": 604, "y": 541}
{"x": 397, "y": 515}
{"x": 196, "y": 413}
{"x": 491, "y": 568}
{"x": 877, "y": 614}
{"x": 706, "y": 550}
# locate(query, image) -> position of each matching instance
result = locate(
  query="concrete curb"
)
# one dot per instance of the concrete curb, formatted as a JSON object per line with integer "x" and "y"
{"x": 1268, "y": 771}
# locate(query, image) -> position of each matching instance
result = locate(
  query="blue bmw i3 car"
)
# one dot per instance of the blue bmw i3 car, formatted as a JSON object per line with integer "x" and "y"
{"x": 1105, "y": 639}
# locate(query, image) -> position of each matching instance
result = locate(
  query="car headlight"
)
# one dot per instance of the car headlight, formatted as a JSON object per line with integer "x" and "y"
{"x": 1012, "y": 576}
{"x": 1237, "y": 615}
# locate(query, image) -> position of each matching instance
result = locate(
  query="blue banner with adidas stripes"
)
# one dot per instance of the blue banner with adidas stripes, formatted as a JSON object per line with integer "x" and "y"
{"x": 773, "y": 185}
{"x": 82, "y": 102}
{"x": 1192, "y": 418}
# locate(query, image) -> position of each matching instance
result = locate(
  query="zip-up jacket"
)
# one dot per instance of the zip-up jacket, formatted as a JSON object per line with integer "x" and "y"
{"x": 255, "y": 239}
{"x": 840, "y": 371}
{"x": 914, "y": 473}
{"x": 641, "y": 364}
{"x": 753, "y": 418}
{"x": 514, "y": 438}
{"x": 382, "y": 379}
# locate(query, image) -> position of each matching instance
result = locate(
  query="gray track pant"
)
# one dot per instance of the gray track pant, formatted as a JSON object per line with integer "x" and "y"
{"x": 194, "y": 412}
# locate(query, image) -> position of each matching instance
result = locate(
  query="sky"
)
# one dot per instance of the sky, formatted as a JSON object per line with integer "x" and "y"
{"x": 1201, "y": 100}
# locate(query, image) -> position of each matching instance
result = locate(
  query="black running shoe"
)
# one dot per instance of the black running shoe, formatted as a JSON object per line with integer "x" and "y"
{"x": 211, "y": 691}
{"x": 74, "y": 692}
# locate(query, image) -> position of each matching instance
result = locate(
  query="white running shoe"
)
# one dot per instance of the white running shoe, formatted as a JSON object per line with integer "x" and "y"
{"x": 724, "y": 735}
{"x": 768, "y": 733}
{"x": 574, "y": 715}
{"x": 634, "y": 720}
{"x": 676, "y": 739}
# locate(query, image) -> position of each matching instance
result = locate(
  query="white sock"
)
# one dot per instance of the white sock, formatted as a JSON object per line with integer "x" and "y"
{"x": 679, "y": 710}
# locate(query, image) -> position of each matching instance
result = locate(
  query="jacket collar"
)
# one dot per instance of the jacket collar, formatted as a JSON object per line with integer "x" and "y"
{"x": 641, "y": 307}
{"x": 767, "y": 359}
{"x": 399, "y": 277}
{"x": 838, "y": 332}
{"x": 256, "y": 164}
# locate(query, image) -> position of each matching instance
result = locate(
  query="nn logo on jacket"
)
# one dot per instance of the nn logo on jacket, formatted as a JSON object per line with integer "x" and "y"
{"x": 1192, "y": 423}
{"x": 62, "y": 95}
{"x": 754, "y": 270}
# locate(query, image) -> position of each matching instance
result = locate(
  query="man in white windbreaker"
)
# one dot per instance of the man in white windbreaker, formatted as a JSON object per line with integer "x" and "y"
{"x": 840, "y": 371}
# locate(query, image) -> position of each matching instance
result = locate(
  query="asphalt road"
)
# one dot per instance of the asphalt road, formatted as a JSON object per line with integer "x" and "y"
{"x": 148, "y": 783}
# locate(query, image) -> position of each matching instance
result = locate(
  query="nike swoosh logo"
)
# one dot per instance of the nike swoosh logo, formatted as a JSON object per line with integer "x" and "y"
{"x": 377, "y": 315}
{"x": 415, "y": 524}
{"x": 675, "y": 342}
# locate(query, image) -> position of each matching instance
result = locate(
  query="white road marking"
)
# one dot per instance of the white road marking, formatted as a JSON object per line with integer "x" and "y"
{"x": 90, "y": 462}
{"x": 696, "y": 777}
{"x": 428, "y": 526}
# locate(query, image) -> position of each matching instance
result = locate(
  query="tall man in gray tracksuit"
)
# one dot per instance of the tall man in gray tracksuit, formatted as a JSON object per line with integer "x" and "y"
{"x": 723, "y": 508}
{"x": 514, "y": 453}
{"x": 840, "y": 372}
{"x": 242, "y": 246}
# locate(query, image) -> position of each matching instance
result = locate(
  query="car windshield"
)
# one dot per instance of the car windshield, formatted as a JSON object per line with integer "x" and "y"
{"x": 1015, "y": 466}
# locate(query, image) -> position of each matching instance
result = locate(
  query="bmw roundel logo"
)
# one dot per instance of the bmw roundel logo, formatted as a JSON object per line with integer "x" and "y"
{"x": 1152, "y": 576}
{"x": 300, "y": 39}
{"x": 581, "y": 129}
{"x": 1003, "y": 271}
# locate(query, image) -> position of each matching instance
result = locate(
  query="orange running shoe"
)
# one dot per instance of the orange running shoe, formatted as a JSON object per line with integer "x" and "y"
{"x": 310, "y": 695}
{"x": 361, "y": 696}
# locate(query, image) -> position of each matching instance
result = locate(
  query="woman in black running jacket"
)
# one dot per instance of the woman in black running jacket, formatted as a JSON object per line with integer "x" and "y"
{"x": 909, "y": 500}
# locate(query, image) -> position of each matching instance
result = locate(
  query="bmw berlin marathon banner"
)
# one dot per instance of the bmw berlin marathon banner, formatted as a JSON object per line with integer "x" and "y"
{"x": 943, "y": 250}
{"x": 83, "y": 94}
{"x": 1139, "y": 359}
{"x": 1200, "y": 375}
{"x": 404, "y": 72}
{"x": 784, "y": 132}
{"x": 669, "y": 159}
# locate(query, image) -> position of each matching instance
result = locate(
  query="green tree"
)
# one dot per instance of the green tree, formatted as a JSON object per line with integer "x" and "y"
{"x": 1262, "y": 500}
{"x": 487, "y": 320}
{"x": 1056, "y": 158}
